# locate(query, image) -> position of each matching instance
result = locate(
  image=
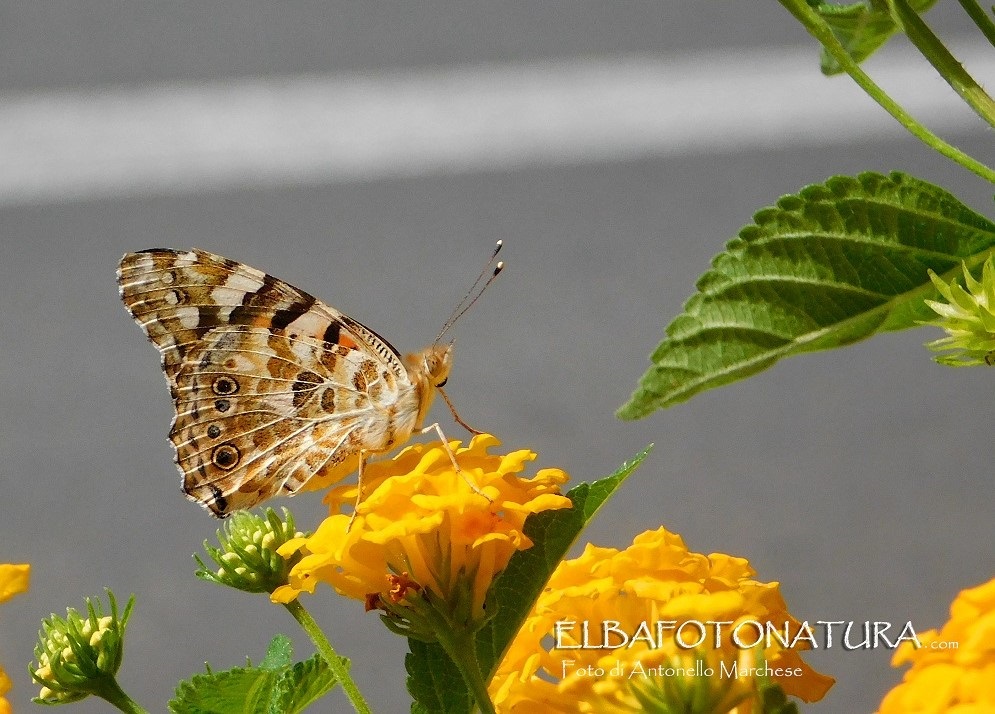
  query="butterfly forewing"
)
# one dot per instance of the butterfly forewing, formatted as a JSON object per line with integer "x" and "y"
{"x": 271, "y": 386}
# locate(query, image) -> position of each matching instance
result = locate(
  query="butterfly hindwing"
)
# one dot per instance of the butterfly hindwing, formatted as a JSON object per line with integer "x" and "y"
{"x": 258, "y": 413}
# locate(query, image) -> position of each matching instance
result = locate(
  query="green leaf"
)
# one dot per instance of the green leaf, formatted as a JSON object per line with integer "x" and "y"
{"x": 241, "y": 690}
{"x": 279, "y": 654}
{"x": 433, "y": 679}
{"x": 434, "y": 682}
{"x": 834, "y": 264}
{"x": 274, "y": 687}
{"x": 301, "y": 685}
{"x": 861, "y": 28}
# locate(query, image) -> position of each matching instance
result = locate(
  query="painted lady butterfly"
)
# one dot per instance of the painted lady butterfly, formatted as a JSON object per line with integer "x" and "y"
{"x": 271, "y": 386}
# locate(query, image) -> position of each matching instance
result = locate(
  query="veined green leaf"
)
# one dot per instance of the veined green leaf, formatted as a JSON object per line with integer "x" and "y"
{"x": 301, "y": 684}
{"x": 434, "y": 681}
{"x": 861, "y": 27}
{"x": 836, "y": 263}
{"x": 240, "y": 690}
{"x": 276, "y": 686}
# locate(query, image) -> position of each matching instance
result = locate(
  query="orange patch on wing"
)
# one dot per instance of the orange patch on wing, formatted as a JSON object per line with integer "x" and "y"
{"x": 348, "y": 342}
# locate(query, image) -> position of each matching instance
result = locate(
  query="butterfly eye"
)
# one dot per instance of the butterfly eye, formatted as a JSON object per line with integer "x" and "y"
{"x": 442, "y": 384}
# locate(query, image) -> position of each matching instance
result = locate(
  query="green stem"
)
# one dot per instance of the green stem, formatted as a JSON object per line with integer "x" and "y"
{"x": 980, "y": 18}
{"x": 463, "y": 653}
{"x": 109, "y": 690}
{"x": 335, "y": 663}
{"x": 946, "y": 64}
{"x": 818, "y": 28}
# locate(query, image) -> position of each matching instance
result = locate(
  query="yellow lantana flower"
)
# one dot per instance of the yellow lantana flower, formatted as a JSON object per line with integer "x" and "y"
{"x": 954, "y": 670}
{"x": 553, "y": 665}
{"x": 423, "y": 531}
{"x": 13, "y": 581}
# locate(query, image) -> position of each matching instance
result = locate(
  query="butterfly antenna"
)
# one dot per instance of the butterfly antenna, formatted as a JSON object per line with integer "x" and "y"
{"x": 466, "y": 303}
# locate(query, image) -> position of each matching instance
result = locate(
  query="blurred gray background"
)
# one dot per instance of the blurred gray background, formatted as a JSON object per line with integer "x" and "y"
{"x": 371, "y": 153}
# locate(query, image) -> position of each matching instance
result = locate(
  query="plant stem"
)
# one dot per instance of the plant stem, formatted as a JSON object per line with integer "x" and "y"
{"x": 110, "y": 691}
{"x": 946, "y": 64}
{"x": 980, "y": 18}
{"x": 817, "y": 27}
{"x": 335, "y": 663}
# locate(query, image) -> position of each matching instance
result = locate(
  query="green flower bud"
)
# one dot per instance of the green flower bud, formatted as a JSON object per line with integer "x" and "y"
{"x": 80, "y": 654}
{"x": 247, "y": 559}
{"x": 968, "y": 318}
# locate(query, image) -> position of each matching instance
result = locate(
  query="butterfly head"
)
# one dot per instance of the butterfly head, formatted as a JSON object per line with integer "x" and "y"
{"x": 433, "y": 364}
{"x": 428, "y": 371}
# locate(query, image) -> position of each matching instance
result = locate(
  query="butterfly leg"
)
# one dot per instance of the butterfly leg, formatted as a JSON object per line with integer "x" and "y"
{"x": 452, "y": 457}
{"x": 456, "y": 416}
{"x": 359, "y": 489}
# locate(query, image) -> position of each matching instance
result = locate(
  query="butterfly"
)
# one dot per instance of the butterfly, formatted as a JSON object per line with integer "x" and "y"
{"x": 272, "y": 387}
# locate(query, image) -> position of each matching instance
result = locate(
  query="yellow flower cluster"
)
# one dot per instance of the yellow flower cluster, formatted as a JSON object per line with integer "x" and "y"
{"x": 423, "y": 528}
{"x": 13, "y": 581}
{"x": 582, "y": 668}
{"x": 954, "y": 670}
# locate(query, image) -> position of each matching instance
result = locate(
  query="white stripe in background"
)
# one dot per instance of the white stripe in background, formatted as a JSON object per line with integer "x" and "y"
{"x": 306, "y": 129}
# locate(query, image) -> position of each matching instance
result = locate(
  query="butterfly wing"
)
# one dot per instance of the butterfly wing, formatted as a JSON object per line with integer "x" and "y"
{"x": 271, "y": 386}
